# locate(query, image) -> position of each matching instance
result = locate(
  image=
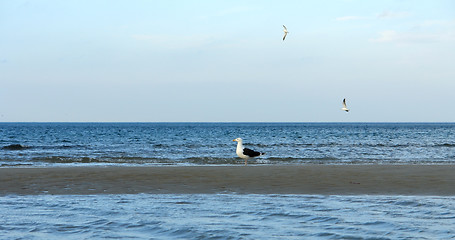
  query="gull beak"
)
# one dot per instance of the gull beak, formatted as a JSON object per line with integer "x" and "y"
{"x": 234, "y": 140}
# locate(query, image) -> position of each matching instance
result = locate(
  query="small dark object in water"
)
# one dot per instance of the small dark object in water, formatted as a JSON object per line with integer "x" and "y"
{"x": 15, "y": 147}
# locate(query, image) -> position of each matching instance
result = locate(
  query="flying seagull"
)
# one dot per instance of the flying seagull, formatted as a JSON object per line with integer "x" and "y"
{"x": 285, "y": 32}
{"x": 245, "y": 153}
{"x": 344, "y": 108}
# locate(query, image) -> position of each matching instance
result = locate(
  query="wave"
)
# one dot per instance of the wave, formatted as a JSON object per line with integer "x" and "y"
{"x": 15, "y": 147}
{"x": 445, "y": 145}
{"x": 65, "y": 146}
{"x": 49, "y": 147}
{"x": 200, "y": 161}
{"x": 182, "y": 161}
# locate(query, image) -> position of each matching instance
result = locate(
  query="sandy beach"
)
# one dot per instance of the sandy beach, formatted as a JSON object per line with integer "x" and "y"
{"x": 308, "y": 179}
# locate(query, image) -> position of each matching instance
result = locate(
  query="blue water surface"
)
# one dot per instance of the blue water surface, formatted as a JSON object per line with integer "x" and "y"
{"x": 49, "y": 144}
{"x": 226, "y": 216}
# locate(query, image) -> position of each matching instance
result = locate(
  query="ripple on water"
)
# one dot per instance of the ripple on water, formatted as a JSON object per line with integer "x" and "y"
{"x": 227, "y": 216}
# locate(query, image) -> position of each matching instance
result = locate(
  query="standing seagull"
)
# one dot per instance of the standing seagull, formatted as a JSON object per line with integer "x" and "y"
{"x": 245, "y": 153}
{"x": 285, "y": 32}
{"x": 344, "y": 108}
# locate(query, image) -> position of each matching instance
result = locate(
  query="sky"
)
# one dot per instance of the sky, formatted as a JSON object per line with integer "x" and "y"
{"x": 225, "y": 61}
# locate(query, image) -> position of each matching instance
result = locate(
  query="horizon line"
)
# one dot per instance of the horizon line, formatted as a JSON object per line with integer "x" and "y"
{"x": 222, "y": 122}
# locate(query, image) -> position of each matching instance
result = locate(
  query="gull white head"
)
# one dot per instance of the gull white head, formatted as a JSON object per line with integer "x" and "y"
{"x": 237, "y": 140}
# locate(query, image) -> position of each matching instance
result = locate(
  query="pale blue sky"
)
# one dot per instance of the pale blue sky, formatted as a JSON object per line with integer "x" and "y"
{"x": 225, "y": 61}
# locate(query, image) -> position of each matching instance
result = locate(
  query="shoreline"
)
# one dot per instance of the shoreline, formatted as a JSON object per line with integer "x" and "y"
{"x": 438, "y": 180}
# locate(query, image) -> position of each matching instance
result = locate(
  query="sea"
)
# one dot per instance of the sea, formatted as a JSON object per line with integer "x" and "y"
{"x": 183, "y": 144}
{"x": 225, "y": 215}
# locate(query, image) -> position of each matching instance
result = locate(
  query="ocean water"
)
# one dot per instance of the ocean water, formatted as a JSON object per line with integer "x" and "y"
{"x": 226, "y": 216}
{"x": 56, "y": 144}
{"x": 229, "y": 215}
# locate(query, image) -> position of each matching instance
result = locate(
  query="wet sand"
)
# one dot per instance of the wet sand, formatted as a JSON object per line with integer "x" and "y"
{"x": 306, "y": 179}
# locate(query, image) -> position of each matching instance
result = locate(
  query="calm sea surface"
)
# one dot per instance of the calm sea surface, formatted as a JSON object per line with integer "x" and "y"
{"x": 225, "y": 216}
{"x": 56, "y": 144}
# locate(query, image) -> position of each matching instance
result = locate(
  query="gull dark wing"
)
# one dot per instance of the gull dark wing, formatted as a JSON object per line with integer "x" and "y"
{"x": 250, "y": 153}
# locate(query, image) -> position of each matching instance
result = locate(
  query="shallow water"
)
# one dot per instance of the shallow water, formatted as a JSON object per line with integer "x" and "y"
{"x": 226, "y": 216}
{"x": 56, "y": 144}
